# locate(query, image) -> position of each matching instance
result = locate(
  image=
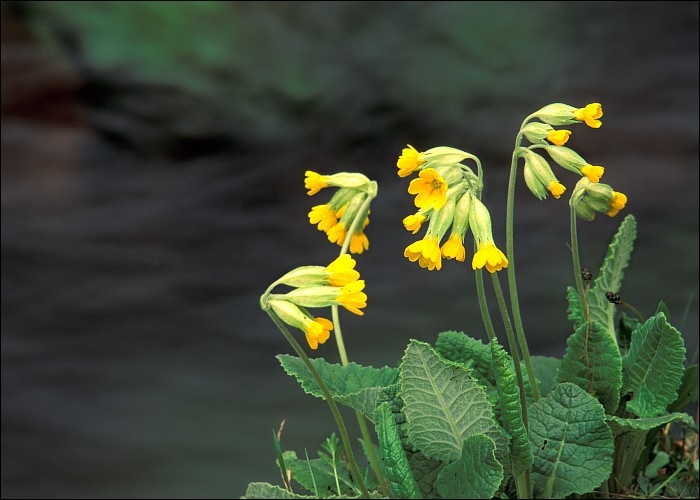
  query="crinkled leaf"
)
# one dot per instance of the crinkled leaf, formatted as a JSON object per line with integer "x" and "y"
{"x": 688, "y": 391}
{"x": 397, "y": 469}
{"x": 426, "y": 471}
{"x": 573, "y": 311}
{"x": 267, "y": 490}
{"x": 619, "y": 425}
{"x": 341, "y": 380}
{"x": 443, "y": 404}
{"x": 611, "y": 273}
{"x": 592, "y": 361}
{"x": 472, "y": 353}
{"x": 365, "y": 401}
{"x": 511, "y": 409}
{"x": 316, "y": 475}
{"x": 546, "y": 372}
{"x": 571, "y": 442}
{"x": 477, "y": 474}
{"x": 653, "y": 368}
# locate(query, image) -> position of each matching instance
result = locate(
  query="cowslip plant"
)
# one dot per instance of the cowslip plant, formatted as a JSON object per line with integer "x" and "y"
{"x": 466, "y": 419}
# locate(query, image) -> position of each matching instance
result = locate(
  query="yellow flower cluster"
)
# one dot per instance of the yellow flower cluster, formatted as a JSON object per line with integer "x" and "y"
{"x": 336, "y": 218}
{"x": 316, "y": 286}
{"x": 539, "y": 177}
{"x": 447, "y": 195}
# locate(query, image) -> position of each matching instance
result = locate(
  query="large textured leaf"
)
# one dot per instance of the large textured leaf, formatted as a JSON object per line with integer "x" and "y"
{"x": 688, "y": 391}
{"x": 472, "y": 353}
{"x": 546, "y": 372}
{"x": 443, "y": 404}
{"x": 476, "y": 475}
{"x": 511, "y": 409}
{"x": 267, "y": 490}
{"x": 397, "y": 469}
{"x": 340, "y": 379}
{"x": 611, "y": 273}
{"x": 571, "y": 442}
{"x": 620, "y": 425}
{"x": 573, "y": 311}
{"x": 426, "y": 471}
{"x": 653, "y": 369}
{"x": 592, "y": 361}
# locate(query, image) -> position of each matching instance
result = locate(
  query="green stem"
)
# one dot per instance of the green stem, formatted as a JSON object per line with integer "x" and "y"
{"x": 329, "y": 399}
{"x": 577, "y": 265}
{"x": 510, "y": 254}
{"x": 511, "y": 343}
{"x": 483, "y": 307}
{"x": 364, "y": 430}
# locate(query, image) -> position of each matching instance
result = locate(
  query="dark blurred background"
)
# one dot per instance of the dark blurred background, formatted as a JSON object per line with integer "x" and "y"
{"x": 153, "y": 158}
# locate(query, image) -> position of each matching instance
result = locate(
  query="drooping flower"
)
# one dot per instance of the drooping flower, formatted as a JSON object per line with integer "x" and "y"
{"x": 539, "y": 177}
{"x": 323, "y": 216}
{"x": 490, "y": 256}
{"x": 409, "y": 161}
{"x": 342, "y": 271}
{"x": 430, "y": 189}
{"x": 337, "y": 233}
{"x": 453, "y": 248}
{"x": 318, "y": 332}
{"x": 352, "y": 297}
{"x": 556, "y": 188}
{"x": 558, "y": 137}
{"x": 359, "y": 242}
{"x": 487, "y": 253}
{"x": 413, "y": 222}
{"x": 593, "y": 172}
{"x": 590, "y": 114}
{"x": 314, "y": 182}
{"x": 426, "y": 252}
{"x": 617, "y": 203}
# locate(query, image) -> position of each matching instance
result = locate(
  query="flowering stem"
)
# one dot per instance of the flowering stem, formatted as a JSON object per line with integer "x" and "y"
{"x": 329, "y": 399}
{"x": 483, "y": 307}
{"x": 374, "y": 460}
{"x": 577, "y": 264}
{"x": 510, "y": 254}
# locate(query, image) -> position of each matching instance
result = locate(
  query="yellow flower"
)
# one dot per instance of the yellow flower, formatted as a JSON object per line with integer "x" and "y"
{"x": 413, "y": 222}
{"x": 590, "y": 115}
{"x": 594, "y": 173}
{"x": 617, "y": 203}
{"x": 342, "y": 271}
{"x": 453, "y": 248}
{"x": 323, "y": 216}
{"x": 558, "y": 137}
{"x": 490, "y": 256}
{"x": 430, "y": 189}
{"x": 337, "y": 233}
{"x": 314, "y": 182}
{"x": 556, "y": 188}
{"x": 426, "y": 252}
{"x": 317, "y": 332}
{"x": 359, "y": 243}
{"x": 409, "y": 161}
{"x": 352, "y": 297}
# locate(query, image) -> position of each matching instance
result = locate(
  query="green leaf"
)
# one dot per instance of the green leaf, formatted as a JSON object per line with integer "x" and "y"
{"x": 511, "y": 414}
{"x": 653, "y": 369}
{"x": 592, "y": 361}
{"x": 318, "y": 476}
{"x": 571, "y": 442}
{"x": 688, "y": 392}
{"x": 341, "y": 380}
{"x": 473, "y": 354}
{"x": 443, "y": 404}
{"x": 426, "y": 471}
{"x": 622, "y": 425}
{"x": 476, "y": 475}
{"x": 611, "y": 273}
{"x": 267, "y": 490}
{"x": 546, "y": 372}
{"x": 397, "y": 469}
{"x": 573, "y": 312}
